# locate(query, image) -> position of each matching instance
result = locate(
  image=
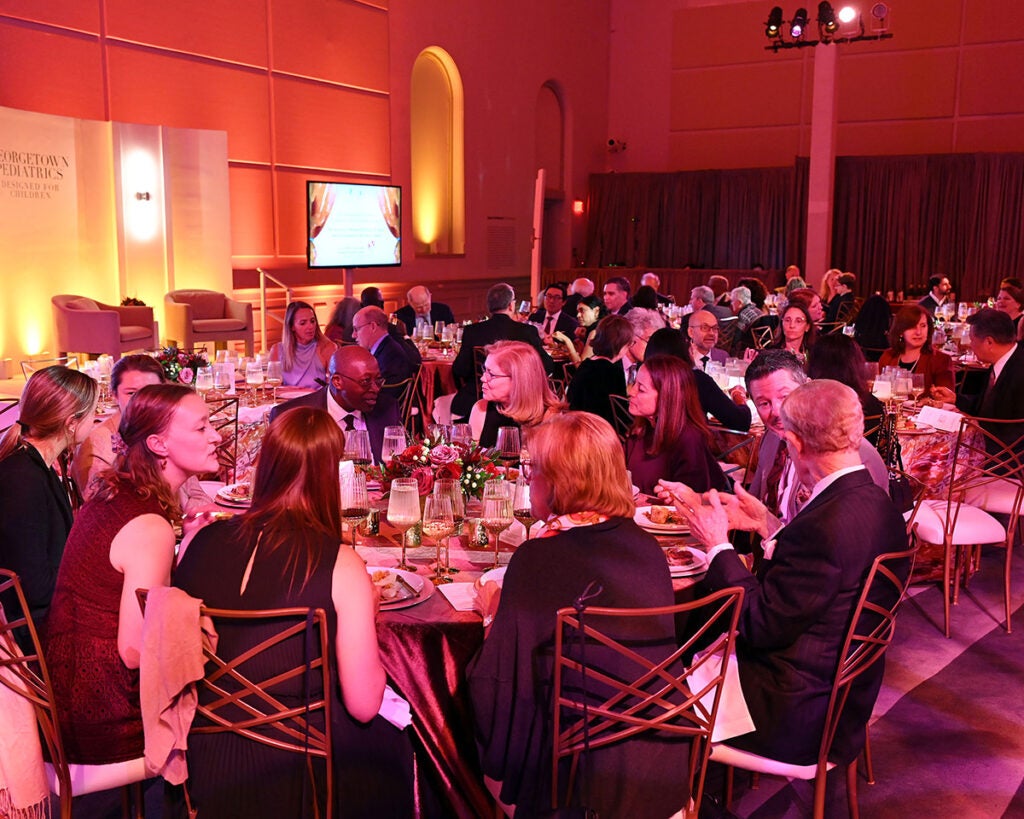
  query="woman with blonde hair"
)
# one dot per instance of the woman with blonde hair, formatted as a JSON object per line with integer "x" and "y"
{"x": 286, "y": 552}
{"x": 57, "y": 408}
{"x": 303, "y": 350}
{"x": 670, "y": 434}
{"x": 122, "y": 540}
{"x": 578, "y": 486}
{"x": 515, "y": 390}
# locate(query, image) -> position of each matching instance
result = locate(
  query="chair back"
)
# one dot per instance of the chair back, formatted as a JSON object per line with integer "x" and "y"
{"x": 232, "y": 700}
{"x": 622, "y": 420}
{"x": 656, "y": 697}
{"x": 734, "y": 451}
{"x": 406, "y": 393}
{"x": 7, "y": 405}
{"x": 762, "y": 336}
{"x": 479, "y": 357}
{"x": 29, "y": 367}
{"x": 224, "y": 419}
{"x": 27, "y": 676}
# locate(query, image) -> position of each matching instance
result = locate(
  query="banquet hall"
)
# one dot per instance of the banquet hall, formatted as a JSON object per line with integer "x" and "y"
{"x": 146, "y": 151}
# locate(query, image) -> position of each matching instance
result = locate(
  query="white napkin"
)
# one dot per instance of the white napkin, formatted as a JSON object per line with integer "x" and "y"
{"x": 946, "y": 420}
{"x": 394, "y": 709}
{"x": 460, "y": 595}
{"x": 733, "y": 718}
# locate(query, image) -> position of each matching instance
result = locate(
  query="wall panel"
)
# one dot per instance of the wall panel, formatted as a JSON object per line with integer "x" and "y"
{"x": 737, "y": 96}
{"x": 908, "y": 85}
{"x": 74, "y": 14}
{"x": 252, "y": 217}
{"x": 978, "y": 93}
{"x": 746, "y": 148}
{"x": 891, "y": 138}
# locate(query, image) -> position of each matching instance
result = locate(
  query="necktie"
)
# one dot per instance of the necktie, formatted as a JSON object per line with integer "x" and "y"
{"x": 771, "y": 495}
{"x": 631, "y": 378}
{"x": 704, "y": 359}
{"x": 349, "y": 421}
{"x": 547, "y": 326}
{"x": 991, "y": 377}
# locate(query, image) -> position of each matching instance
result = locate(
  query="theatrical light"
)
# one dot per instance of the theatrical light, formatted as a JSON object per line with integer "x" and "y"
{"x": 846, "y": 14}
{"x": 826, "y": 19}
{"x": 773, "y": 26}
{"x": 798, "y": 24}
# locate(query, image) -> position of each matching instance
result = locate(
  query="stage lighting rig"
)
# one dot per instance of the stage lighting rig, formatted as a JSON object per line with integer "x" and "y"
{"x": 845, "y": 26}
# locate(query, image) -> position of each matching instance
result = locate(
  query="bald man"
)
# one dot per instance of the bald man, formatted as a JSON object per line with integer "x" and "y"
{"x": 421, "y": 309}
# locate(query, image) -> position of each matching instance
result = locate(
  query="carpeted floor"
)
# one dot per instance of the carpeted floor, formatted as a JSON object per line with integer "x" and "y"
{"x": 947, "y": 734}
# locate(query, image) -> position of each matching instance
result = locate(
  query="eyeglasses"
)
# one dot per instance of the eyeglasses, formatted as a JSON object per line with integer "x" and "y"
{"x": 707, "y": 328}
{"x": 365, "y": 383}
{"x": 363, "y": 326}
{"x": 490, "y": 374}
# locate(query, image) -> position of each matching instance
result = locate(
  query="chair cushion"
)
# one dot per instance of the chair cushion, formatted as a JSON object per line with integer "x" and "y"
{"x": 973, "y": 526}
{"x": 206, "y": 304}
{"x": 220, "y": 325}
{"x": 134, "y": 332}
{"x": 81, "y": 304}
{"x": 734, "y": 757}
{"x": 997, "y": 495}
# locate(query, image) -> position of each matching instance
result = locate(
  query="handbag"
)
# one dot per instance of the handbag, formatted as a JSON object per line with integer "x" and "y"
{"x": 901, "y": 493}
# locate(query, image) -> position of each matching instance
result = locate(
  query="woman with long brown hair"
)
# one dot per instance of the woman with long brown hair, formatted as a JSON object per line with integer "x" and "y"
{"x": 285, "y": 552}
{"x": 910, "y": 348}
{"x": 303, "y": 350}
{"x": 57, "y": 410}
{"x": 122, "y": 540}
{"x": 670, "y": 435}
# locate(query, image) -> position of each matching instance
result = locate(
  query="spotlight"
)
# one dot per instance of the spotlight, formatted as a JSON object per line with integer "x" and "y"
{"x": 799, "y": 23}
{"x": 773, "y": 26}
{"x": 846, "y": 14}
{"x": 826, "y": 20}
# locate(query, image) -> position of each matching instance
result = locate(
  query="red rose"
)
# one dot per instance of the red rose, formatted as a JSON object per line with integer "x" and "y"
{"x": 450, "y": 472}
{"x": 424, "y": 480}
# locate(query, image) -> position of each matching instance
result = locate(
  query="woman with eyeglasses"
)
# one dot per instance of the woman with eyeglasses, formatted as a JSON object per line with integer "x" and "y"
{"x": 515, "y": 391}
{"x": 670, "y": 435}
{"x": 796, "y": 332}
{"x": 303, "y": 350}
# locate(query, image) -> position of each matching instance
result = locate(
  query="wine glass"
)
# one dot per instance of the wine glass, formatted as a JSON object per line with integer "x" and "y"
{"x": 395, "y": 442}
{"x": 439, "y": 524}
{"x": 204, "y": 381}
{"x": 452, "y": 489}
{"x": 253, "y": 380}
{"x": 917, "y": 385}
{"x": 462, "y": 434}
{"x": 223, "y": 375}
{"x": 355, "y": 503}
{"x": 357, "y": 447}
{"x": 508, "y": 445}
{"x": 440, "y": 432}
{"x": 901, "y": 387}
{"x": 497, "y": 511}
{"x": 521, "y": 508}
{"x": 274, "y": 377}
{"x": 404, "y": 511}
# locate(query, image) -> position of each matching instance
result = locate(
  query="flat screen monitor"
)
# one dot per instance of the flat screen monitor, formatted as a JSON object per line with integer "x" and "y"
{"x": 353, "y": 225}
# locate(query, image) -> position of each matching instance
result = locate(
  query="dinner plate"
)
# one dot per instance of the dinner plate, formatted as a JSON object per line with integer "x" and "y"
{"x": 644, "y": 522}
{"x": 231, "y": 496}
{"x": 686, "y": 562}
{"x": 288, "y": 393}
{"x": 494, "y": 576}
{"x": 411, "y": 588}
{"x": 916, "y": 430}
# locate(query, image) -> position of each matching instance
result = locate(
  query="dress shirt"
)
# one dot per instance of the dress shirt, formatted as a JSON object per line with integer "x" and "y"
{"x": 997, "y": 368}
{"x": 550, "y": 323}
{"x": 342, "y": 415}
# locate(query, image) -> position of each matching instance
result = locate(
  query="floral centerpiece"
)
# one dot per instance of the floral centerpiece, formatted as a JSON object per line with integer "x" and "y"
{"x": 180, "y": 366}
{"x": 431, "y": 459}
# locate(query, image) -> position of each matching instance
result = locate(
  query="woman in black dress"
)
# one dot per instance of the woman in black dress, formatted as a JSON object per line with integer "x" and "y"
{"x": 602, "y": 375}
{"x": 579, "y": 488}
{"x": 285, "y": 552}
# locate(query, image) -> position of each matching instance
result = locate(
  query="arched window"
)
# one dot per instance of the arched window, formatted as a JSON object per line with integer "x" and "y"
{"x": 437, "y": 154}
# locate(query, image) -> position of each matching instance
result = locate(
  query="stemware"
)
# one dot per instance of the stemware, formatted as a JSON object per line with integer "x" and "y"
{"x": 462, "y": 434}
{"x": 395, "y": 442}
{"x": 355, "y": 503}
{"x": 917, "y": 385}
{"x": 521, "y": 508}
{"x": 223, "y": 375}
{"x": 452, "y": 490}
{"x": 440, "y": 432}
{"x": 508, "y": 445}
{"x": 274, "y": 377}
{"x": 204, "y": 381}
{"x": 357, "y": 447}
{"x": 404, "y": 511}
{"x": 253, "y": 380}
{"x": 901, "y": 386}
{"x": 497, "y": 511}
{"x": 439, "y": 524}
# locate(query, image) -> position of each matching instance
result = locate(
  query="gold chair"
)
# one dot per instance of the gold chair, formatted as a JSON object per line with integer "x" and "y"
{"x": 653, "y": 696}
{"x": 622, "y": 420}
{"x": 224, "y": 419}
{"x": 869, "y": 635}
{"x": 407, "y": 395}
{"x": 30, "y": 366}
{"x": 7, "y": 405}
{"x": 27, "y": 676}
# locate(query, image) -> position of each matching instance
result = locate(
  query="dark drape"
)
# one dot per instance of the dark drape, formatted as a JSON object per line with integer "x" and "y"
{"x": 716, "y": 219}
{"x": 898, "y": 220}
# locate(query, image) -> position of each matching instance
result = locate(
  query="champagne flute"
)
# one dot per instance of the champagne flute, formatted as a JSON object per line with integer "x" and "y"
{"x": 508, "y": 445}
{"x": 404, "y": 511}
{"x": 357, "y": 447}
{"x": 521, "y": 508}
{"x": 275, "y": 377}
{"x": 497, "y": 511}
{"x": 204, "y": 381}
{"x": 452, "y": 489}
{"x": 355, "y": 503}
{"x": 253, "y": 380}
{"x": 439, "y": 524}
{"x": 917, "y": 386}
{"x": 222, "y": 374}
{"x": 395, "y": 442}
{"x": 901, "y": 387}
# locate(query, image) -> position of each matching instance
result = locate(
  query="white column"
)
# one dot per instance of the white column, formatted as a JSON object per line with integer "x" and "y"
{"x": 821, "y": 179}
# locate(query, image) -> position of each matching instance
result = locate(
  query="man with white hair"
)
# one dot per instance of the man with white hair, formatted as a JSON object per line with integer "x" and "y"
{"x": 645, "y": 324}
{"x": 745, "y": 311}
{"x": 702, "y": 297}
{"x": 652, "y": 280}
{"x": 421, "y": 309}
{"x": 579, "y": 289}
{"x": 797, "y": 608}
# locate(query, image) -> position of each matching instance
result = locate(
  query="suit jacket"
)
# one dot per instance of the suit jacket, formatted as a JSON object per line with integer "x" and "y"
{"x": 438, "y": 312}
{"x": 498, "y": 327}
{"x": 716, "y": 354}
{"x": 929, "y": 303}
{"x": 385, "y": 414}
{"x": 1003, "y": 400}
{"x": 395, "y": 362}
{"x": 795, "y": 615}
{"x": 566, "y": 323}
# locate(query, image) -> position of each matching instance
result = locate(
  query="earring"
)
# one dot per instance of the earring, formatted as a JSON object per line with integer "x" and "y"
{"x": 163, "y": 463}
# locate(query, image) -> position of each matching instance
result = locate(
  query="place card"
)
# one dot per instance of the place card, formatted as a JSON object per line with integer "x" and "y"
{"x": 946, "y": 420}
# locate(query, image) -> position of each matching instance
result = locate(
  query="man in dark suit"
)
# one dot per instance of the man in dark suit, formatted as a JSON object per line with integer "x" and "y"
{"x": 352, "y": 396}
{"x": 553, "y": 318}
{"x": 993, "y": 341}
{"x": 499, "y": 327}
{"x": 616, "y": 296}
{"x": 422, "y": 309}
{"x": 938, "y": 291}
{"x": 797, "y": 608}
{"x": 397, "y": 359}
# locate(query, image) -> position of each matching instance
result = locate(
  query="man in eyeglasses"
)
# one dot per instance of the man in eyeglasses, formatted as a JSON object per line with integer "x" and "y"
{"x": 352, "y": 396}
{"x": 703, "y": 332}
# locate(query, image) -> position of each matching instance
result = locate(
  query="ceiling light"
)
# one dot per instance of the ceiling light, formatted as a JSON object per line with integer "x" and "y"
{"x": 799, "y": 23}
{"x": 846, "y": 14}
{"x": 773, "y": 26}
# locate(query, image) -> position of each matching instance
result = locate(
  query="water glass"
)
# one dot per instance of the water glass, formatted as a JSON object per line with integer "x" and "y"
{"x": 223, "y": 376}
{"x": 452, "y": 490}
{"x": 438, "y": 524}
{"x": 395, "y": 442}
{"x": 404, "y": 511}
{"x": 204, "y": 381}
{"x": 274, "y": 377}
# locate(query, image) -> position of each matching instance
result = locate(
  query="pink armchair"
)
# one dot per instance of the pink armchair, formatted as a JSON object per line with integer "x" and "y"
{"x": 84, "y": 325}
{"x": 195, "y": 316}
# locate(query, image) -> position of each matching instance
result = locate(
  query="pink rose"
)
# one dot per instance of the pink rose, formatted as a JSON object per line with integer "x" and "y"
{"x": 185, "y": 376}
{"x": 424, "y": 479}
{"x": 443, "y": 454}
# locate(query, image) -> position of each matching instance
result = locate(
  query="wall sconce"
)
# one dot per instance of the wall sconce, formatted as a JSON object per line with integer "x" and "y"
{"x": 577, "y": 207}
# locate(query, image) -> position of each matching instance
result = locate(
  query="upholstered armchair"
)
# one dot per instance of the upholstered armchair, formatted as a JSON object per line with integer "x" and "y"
{"x": 195, "y": 316}
{"x": 84, "y": 325}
